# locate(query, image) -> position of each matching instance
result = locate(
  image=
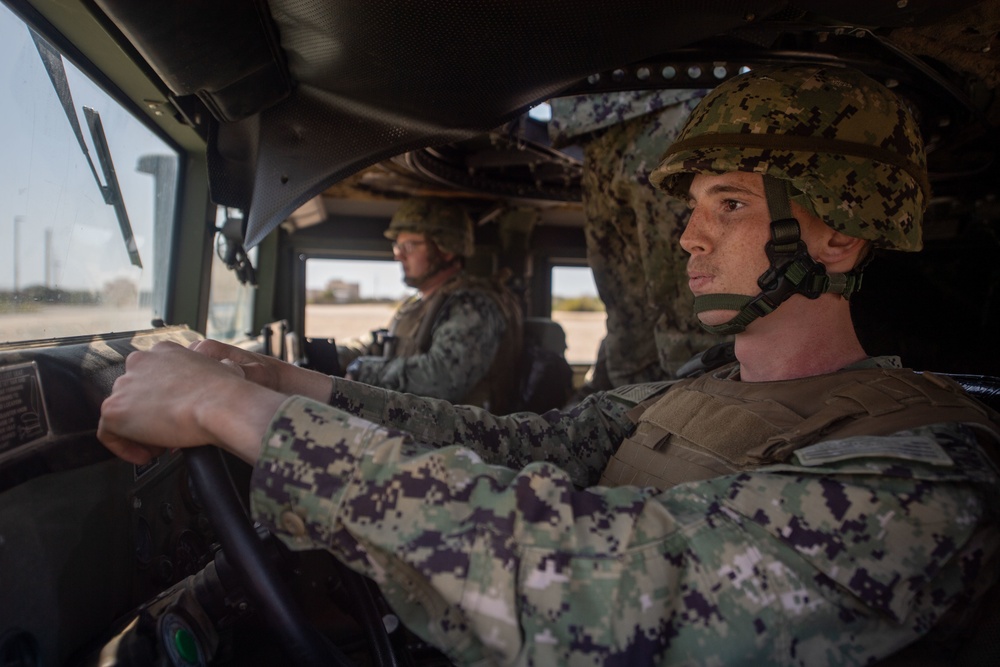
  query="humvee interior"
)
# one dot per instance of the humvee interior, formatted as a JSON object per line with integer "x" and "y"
{"x": 170, "y": 169}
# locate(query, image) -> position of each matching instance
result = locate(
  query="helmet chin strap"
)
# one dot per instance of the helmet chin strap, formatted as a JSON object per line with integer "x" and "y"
{"x": 792, "y": 270}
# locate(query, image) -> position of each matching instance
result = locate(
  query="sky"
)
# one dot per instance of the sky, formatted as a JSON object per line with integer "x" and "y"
{"x": 47, "y": 184}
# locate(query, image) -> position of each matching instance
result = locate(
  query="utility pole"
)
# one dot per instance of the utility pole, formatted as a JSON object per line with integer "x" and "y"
{"x": 18, "y": 219}
{"x": 48, "y": 258}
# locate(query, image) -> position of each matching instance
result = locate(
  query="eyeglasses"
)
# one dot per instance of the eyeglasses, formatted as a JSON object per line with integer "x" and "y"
{"x": 406, "y": 247}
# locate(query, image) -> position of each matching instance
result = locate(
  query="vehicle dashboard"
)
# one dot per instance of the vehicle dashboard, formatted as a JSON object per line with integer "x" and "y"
{"x": 89, "y": 536}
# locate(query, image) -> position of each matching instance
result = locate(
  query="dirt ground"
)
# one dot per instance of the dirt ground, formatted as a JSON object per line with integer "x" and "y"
{"x": 341, "y": 322}
{"x": 40, "y": 323}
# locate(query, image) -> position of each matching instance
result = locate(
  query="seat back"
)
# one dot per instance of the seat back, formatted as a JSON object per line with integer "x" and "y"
{"x": 546, "y": 376}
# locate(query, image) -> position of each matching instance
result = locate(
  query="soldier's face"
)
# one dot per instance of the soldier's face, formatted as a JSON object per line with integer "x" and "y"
{"x": 729, "y": 226}
{"x": 419, "y": 257}
{"x": 412, "y": 251}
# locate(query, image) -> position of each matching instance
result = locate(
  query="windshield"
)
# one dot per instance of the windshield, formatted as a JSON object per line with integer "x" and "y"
{"x": 68, "y": 266}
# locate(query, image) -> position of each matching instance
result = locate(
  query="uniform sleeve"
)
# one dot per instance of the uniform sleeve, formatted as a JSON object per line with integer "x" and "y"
{"x": 464, "y": 341}
{"x": 504, "y": 566}
{"x": 577, "y": 116}
{"x": 579, "y": 440}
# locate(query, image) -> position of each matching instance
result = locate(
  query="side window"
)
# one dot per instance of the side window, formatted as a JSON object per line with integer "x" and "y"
{"x": 350, "y": 298}
{"x": 84, "y": 241}
{"x": 576, "y": 306}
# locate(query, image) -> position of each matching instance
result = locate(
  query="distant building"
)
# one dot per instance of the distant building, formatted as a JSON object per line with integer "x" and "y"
{"x": 336, "y": 291}
{"x": 344, "y": 292}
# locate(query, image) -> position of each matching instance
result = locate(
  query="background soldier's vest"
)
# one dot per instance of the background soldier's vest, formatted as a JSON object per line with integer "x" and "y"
{"x": 707, "y": 427}
{"x": 412, "y": 327}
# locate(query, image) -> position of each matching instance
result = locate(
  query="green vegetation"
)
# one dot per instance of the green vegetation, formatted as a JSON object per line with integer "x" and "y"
{"x": 580, "y": 304}
{"x": 31, "y": 297}
{"x": 120, "y": 292}
{"x": 327, "y": 298}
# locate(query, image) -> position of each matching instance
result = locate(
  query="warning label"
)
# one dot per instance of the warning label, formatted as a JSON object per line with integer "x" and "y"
{"x": 22, "y": 411}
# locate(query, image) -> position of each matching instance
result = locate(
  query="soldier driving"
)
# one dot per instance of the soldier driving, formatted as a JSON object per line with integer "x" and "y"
{"x": 459, "y": 337}
{"x": 807, "y": 505}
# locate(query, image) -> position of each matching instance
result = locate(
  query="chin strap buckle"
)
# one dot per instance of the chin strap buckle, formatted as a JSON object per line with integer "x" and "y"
{"x": 792, "y": 270}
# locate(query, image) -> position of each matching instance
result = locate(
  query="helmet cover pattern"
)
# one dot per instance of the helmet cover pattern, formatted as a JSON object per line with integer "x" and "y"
{"x": 849, "y": 148}
{"x": 447, "y": 224}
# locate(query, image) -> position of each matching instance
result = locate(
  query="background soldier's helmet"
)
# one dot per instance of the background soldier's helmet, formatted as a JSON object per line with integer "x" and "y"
{"x": 849, "y": 148}
{"x": 445, "y": 223}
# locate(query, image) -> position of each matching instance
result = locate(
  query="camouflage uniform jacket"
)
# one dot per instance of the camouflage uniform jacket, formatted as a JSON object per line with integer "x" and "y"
{"x": 468, "y": 331}
{"x": 494, "y": 545}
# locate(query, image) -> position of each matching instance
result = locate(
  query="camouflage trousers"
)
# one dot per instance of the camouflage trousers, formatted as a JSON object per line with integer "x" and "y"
{"x": 633, "y": 232}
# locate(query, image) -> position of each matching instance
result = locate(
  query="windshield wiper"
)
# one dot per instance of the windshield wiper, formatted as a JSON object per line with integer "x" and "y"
{"x": 110, "y": 189}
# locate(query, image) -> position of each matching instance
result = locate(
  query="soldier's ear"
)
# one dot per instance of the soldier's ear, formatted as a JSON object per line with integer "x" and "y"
{"x": 839, "y": 252}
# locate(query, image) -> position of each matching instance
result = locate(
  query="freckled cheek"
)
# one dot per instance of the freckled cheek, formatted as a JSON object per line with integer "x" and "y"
{"x": 748, "y": 260}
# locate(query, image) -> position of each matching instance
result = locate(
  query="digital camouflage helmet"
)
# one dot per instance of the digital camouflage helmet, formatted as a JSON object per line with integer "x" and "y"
{"x": 443, "y": 222}
{"x": 834, "y": 141}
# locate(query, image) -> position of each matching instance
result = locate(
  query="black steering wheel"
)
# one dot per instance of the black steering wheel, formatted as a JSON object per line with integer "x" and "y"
{"x": 302, "y": 642}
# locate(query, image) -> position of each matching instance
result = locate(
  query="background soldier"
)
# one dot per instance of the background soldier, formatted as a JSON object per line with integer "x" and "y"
{"x": 806, "y": 505}
{"x": 459, "y": 337}
{"x": 632, "y": 229}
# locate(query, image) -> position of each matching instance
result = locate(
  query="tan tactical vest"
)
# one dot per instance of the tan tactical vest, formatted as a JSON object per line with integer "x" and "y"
{"x": 707, "y": 427}
{"x": 412, "y": 327}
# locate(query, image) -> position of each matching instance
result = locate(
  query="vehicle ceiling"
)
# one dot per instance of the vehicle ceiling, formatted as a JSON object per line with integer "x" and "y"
{"x": 303, "y": 94}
